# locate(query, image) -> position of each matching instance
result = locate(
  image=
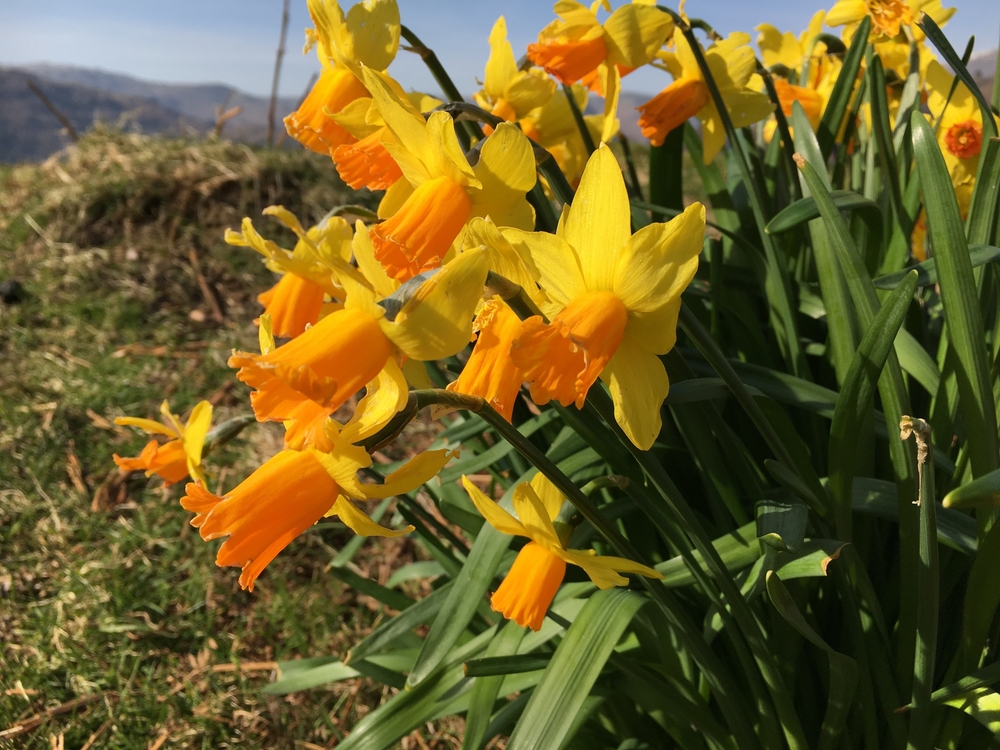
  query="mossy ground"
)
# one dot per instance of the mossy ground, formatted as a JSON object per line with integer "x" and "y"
{"x": 107, "y": 596}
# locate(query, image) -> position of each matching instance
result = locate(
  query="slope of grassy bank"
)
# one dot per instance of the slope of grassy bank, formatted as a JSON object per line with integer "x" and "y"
{"x": 116, "y": 628}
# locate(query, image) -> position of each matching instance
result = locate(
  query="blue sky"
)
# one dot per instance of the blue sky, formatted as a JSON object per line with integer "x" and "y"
{"x": 233, "y": 41}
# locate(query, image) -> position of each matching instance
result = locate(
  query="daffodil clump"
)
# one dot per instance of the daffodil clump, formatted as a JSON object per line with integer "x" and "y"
{"x": 577, "y": 324}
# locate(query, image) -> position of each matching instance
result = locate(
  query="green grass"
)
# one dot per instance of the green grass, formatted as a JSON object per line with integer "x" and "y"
{"x": 121, "y": 602}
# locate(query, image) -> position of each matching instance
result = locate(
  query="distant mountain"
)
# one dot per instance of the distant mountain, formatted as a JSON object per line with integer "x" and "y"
{"x": 191, "y": 100}
{"x": 29, "y": 132}
{"x": 983, "y": 67}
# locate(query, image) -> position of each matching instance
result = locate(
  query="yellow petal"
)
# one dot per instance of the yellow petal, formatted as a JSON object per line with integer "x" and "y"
{"x": 777, "y": 48}
{"x": 634, "y": 33}
{"x": 549, "y": 494}
{"x": 638, "y": 384}
{"x": 370, "y": 33}
{"x": 529, "y": 89}
{"x": 359, "y": 522}
{"x": 419, "y": 470}
{"x": 505, "y": 171}
{"x": 384, "y": 398}
{"x": 364, "y": 254}
{"x": 489, "y": 509}
{"x": 354, "y": 118}
{"x": 394, "y": 198}
{"x": 343, "y": 465}
{"x": 513, "y": 263}
{"x": 558, "y": 267}
{"x": 195, "y": 431}
{"x": 501, "y": 67}
{"x": 846, "y": 11}
{"x": 605, "y": 571}
{"x": 413, "y": 149}
{"x": 747, "y": 107}
{"x": 685, "y": 56}
{"x": 264, "y": 334}
{"x": 171, "y": 418}
{"x": 598, "y": 224}
{"x": 712, "y": 132}
{"x": 416, "y": 374}
{"x": 659, "y": 261}
{"x": 436, "y": 322}
{"x": 534, "y": 516}
{"x": 147, "y": 425}
{"x": 612, "y": 82}
{"x": 451, "y": 159}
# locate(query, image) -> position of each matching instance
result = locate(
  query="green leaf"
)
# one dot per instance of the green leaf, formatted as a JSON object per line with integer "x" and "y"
{"x": 979, "y": 679}
{"x": 422, "y": 569}
{"x": 983, "y": 705}
{"x": 804, "y": 209}
{"x": 490, "y": 665}
{"x": 927, "y": 271}
{"x": 485, "y": 690}
{"x": 982, "y": 491}
{"x": 666, "y": 173}
{"x": 782, "y": 525}
{"x": 857, "y": 396}
{"x": 394, "y": 628}
{"x": 387, "y": 596}
{"x": 959, "y": 294}
{"x": 843, "y": 669}
{"x": 490, "y": 456}
{"x": 738, "y": 550}
{"x": 980, "y": 226}
{"x": 878, "y": 497}
{"x": 811, "y": 560}
{"x": 573, "y": 670}
{"x": 303, "y": 674}
{"x": 843, "y": 89}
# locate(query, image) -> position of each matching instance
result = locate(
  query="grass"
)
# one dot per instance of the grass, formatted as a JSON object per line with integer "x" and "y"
{"x": 116, "y": 627}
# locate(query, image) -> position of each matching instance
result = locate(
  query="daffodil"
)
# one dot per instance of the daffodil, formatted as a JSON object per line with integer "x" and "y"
{"x": 732, "y": 63}
{"x": 785, "y": 49}
{"x": 309, "y": 271}
{"x": 294, "y": 489}
{"x": 508, "y": 92}
{"x": 305, "y": 380}
{"x": 958, "y": 121}
{"x": 367, "y": 35}
{"x": 888, "y": 16}
{"x": 180, "y": 456}
{"x": 576, "y": 46}
{"x": 576, "y": 43}
{"x": 539, "y": 568}
{"x": 442, "y": 190}
{"x": 613, "y": 301}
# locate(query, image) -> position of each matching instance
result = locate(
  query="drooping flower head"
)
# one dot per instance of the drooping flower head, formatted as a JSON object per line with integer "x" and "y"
{"x": 305, "y": 380}
{"x": 538, "y": 570}
{"x": 294, "y": 489}
{"x": 888, "y": 16}
{"x": 427, "y": 212}
{"x": 732, "y": 63}
{"x": 614, "y": 298}
{"x": 321, "y": 254}
{"x": 180, "y": 456}
{"x": 367, "y": 35}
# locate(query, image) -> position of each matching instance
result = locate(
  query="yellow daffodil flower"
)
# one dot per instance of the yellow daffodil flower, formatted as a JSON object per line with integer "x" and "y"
{"x": 309, "y": 271}
{"x": 777, "y": 48}
{"x": 959, "y": 123}
{"x": 576, "y": 43}
{"x": 613, "y": 302}
{"x": 888, "y": 16}
{"x": 539, "y": 568}
{"x": 305, "y": 380}
{"x": 732, "y": 63}
{"x": 576, "y": 46}
{"x": 294, "y": 489}
{"x": 508, "y": 92}
{"x": 180, "y": 456}
{"x": 442, "y": 191}
{"x": 367, "y": 35}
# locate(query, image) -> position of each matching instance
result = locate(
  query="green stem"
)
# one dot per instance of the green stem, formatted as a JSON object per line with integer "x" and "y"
{"x": 581, "y": 124}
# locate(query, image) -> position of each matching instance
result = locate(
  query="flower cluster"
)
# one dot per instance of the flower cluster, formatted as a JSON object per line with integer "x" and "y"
{"x": 363, "y": 306}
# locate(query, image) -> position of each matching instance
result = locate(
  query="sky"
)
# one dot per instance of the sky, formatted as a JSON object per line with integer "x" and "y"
{"x": 234, "y": 41}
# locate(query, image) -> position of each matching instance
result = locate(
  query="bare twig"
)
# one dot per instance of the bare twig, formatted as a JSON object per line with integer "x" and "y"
{"x": 38, "y": 719}
{"x": 277, "y": 75}
{"x": 59, "y": 115}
